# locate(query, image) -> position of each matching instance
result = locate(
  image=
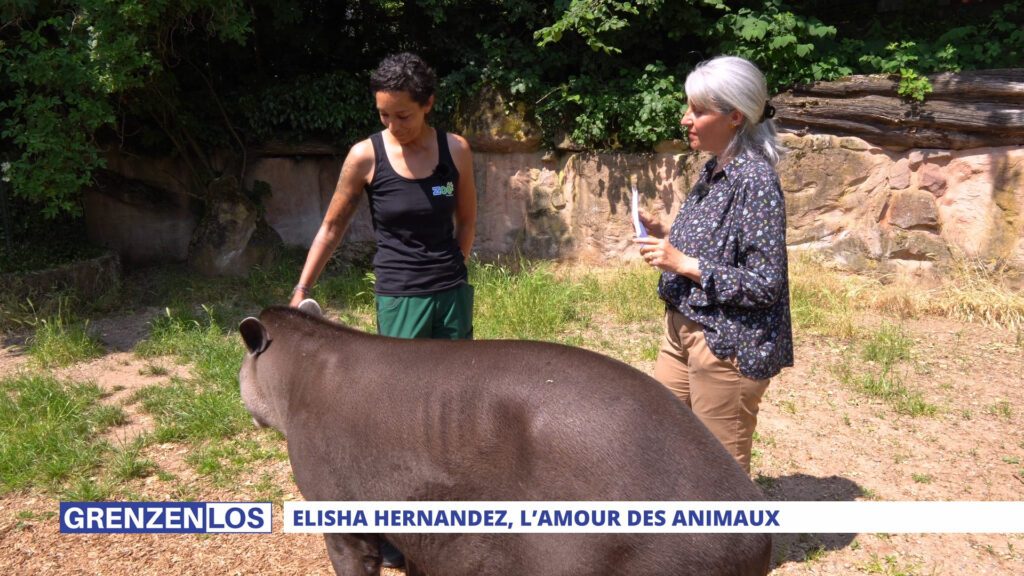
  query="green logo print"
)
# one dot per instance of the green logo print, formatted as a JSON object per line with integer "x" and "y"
{"x": 446, "y": 190}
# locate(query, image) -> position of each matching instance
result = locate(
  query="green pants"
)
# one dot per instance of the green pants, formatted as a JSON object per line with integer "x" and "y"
{"x": 445, "y": 315}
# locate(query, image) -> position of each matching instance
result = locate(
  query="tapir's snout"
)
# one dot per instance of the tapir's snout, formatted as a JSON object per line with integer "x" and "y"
{"x": 253, "y": 396}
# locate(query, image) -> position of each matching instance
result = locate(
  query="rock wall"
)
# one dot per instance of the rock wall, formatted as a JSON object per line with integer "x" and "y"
{"x": 863, "y": 205}
{"x": 91, "y": 279}
{"x": 140, "y": 209}
{"x": 867, "y": 206}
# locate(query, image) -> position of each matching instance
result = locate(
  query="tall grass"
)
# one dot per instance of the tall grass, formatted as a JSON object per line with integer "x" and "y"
{"x": 821, "y": 301}
{"x": 193, "y": 411}
{"x": 825, "y": 301}
{"x": 48, "y": 431}
{"x": 612, "y": 310}
{"x": 528, "y": 303}
{"x": 350, "y": 293}
{"x": 224, "y": 461}
{"x": 128, "y": 462}
{"x": 888, "y": 386}
{"x": 630, "y": 294}
{"x": 974, "y": 292}
{"x": 626, "y": 313}
{"x": 61, "y": 339}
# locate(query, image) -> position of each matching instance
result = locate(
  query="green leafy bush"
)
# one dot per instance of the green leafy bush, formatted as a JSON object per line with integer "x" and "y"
{"x": 634, "y": 111}
{"x": 785, "y": 45}
{"x": 337, "y": 105}
{"x": 194, "y": 79}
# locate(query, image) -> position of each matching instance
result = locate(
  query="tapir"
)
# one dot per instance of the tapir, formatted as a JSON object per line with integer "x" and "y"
{"x": 372, "y": 418}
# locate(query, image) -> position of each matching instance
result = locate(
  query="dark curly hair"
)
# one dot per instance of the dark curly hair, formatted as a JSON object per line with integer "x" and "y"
{"x": 405, "y": 72}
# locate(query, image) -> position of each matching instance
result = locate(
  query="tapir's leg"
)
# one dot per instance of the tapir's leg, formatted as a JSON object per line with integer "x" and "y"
{"x": 411, "y": 569}
{"x": 353, "y": 556}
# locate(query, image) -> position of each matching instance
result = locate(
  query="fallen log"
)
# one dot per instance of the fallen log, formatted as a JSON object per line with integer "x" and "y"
{"x": 969, "y": 110}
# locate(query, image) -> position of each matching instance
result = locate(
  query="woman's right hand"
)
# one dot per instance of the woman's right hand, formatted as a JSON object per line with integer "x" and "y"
{"x": 297, "y": 296}
{"x": 354, "y": 176}
{"x": 653, "y": 225}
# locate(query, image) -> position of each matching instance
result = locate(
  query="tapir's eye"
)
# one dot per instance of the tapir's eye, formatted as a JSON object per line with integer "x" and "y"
{"x": 254, "y": 334}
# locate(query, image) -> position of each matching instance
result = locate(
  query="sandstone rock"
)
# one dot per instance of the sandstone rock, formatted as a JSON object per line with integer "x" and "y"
{"x": 851, "y": 252}
{"x": 295, "y": 205}
{"x": 899, "y": 174}
{"x": 862, "y": 207}
{"x": 855, "y": 144}
{"x": 491, "y": 124}
{"x": 226, "y": 242}
{"x": 792, "y": 141}
{"x": 540, "y": 199}
{"x": 671, "y": 147}
{"x": 143, "y": 224}
{"x": 503, "y": 188}
{"x": 830, "y": 190}
{"x": 917, "y": 245}
{"x": 939, "y": 157}
{"x": 913, "y": 209}
{"x": 563, "y": 141}
{"x": 158, "y": 173}
{"x": 930, "y": 177}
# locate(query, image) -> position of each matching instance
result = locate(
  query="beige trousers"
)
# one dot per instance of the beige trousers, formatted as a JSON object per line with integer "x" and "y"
{"x": 723, "y": 399}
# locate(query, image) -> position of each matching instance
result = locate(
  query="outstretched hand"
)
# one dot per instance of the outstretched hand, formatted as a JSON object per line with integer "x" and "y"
{"x": 297, "y": 296}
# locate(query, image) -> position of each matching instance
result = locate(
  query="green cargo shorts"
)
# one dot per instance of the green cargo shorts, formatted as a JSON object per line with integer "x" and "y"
{"x": 445, "y": 315}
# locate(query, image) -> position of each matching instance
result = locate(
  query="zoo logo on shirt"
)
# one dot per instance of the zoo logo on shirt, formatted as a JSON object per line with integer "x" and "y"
{"x": 446, "y": 190}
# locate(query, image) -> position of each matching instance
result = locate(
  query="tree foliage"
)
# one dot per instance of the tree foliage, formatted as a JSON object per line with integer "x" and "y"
{"x": 188, "y": 77}
{"x": 72, "y": 69}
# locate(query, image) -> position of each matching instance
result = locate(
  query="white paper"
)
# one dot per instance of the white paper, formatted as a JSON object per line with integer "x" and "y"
{"x": 638, "y": 226}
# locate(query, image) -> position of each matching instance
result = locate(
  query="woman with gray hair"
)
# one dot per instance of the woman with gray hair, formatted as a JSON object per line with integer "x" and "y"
{"x": 724, "y": 268}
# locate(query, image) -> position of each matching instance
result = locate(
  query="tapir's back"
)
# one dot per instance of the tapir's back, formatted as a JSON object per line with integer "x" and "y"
{"x": 549, "y": 411}
{"x": 373, "y": 418}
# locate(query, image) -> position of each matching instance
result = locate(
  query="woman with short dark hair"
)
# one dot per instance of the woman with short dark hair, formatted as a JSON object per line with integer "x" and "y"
{"x": 419, "y": 181}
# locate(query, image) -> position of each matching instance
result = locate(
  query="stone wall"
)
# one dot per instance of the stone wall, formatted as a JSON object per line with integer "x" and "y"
{"x": 910, "y": 210}
{"x": 863, "y": 205}
{"x": 89, "y": 279}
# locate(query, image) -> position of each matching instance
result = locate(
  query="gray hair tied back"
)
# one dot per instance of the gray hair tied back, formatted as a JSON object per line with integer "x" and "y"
{"x": 728, "y": 83}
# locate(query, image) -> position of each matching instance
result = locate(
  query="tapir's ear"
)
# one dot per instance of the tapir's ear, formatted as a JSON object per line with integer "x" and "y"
{"x": 309, "y": 306}
{"x": 254, "y": 334}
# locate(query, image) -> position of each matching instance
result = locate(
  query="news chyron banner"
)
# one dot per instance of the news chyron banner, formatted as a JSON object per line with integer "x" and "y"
{"x": 165, "y": 517}
{"x": 656, "y": 517}
{"x": 550, "y": 517}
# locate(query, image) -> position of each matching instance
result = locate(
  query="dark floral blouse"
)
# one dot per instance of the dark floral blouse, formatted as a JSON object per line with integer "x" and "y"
{"x": 734, "y": 223}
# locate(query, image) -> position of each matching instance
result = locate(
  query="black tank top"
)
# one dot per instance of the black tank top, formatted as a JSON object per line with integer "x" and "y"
{"x": 412, "y": 220}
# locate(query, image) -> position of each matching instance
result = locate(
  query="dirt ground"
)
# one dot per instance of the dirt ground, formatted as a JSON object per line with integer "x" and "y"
{"x": 818, "y": 440}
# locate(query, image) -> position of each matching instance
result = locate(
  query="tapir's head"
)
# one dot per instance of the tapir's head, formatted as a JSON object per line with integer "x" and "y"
{"x": 261, "y": 376}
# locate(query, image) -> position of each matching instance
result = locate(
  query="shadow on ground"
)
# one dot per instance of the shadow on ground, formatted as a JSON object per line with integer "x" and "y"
{"x": 14, "y": 342}
{"x": 120, "y": 333}
{"x": 802, "y": 487}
